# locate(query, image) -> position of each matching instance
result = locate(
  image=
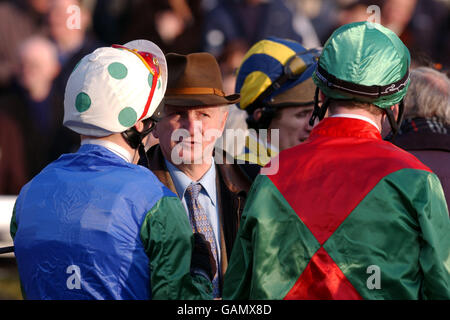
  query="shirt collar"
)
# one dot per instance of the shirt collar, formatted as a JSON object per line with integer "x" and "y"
{"x": 355, "y": 116}
{"x": 182, "y": 181}
{"x": 111, "y": 146}
{"x": 344, "y": 127}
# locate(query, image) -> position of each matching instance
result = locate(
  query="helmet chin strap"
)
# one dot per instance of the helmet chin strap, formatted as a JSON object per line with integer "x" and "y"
{"x": 134, "y": 139}
{"x": 395, "y": 125}
{"x": 319, "y": 112}
{"x": 143, "y": 155}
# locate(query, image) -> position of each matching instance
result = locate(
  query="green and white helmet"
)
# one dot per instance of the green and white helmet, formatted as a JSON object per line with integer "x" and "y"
{"x": 112, "y": 88}
{"x": 366, "y": 62}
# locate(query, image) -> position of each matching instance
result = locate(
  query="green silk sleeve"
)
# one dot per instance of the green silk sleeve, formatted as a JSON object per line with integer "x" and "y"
{"x": 168, "y": 242}
{"x": 402, "y": 227}
{"x": 406, "y": 233}
{"x": 434, "y": 256}
{"x": 259, "y": 267}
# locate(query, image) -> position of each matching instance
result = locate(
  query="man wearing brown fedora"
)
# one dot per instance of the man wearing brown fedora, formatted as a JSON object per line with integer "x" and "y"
{"x": 210, "y": 185}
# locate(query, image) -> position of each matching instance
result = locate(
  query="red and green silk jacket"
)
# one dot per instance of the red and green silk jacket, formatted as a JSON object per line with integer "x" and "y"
{"x": 347, "y": 216}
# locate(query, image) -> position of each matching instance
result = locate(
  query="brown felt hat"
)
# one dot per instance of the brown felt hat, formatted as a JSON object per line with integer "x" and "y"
{"x": 195, "y": 80}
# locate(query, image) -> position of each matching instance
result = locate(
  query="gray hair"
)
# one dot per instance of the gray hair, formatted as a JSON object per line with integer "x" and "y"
{"x": 428, "y": 95}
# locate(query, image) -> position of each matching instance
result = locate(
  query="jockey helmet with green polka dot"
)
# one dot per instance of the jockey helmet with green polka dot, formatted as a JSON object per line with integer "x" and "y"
{"x": 113, "y": 88}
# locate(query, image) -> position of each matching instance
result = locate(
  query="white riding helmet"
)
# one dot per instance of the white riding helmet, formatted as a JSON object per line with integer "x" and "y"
{"x": 113, "y": 88}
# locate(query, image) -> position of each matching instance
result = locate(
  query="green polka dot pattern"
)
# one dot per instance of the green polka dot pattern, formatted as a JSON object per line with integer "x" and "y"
{"x": 82, "y": 102}
{"x": 117, "y": 70}
{"x": 150, "y": 79}
{"x": 127, "y": 117}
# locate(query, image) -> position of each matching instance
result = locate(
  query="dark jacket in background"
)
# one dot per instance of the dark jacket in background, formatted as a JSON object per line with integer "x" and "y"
{"x": 18, "y": 21}
{"x": 38, "y": 123}
{"x": 429, "y": 141}
{"x": 120, "y": 21}
{"x": 12, "y": 162}
{"x": 233, "y": 20}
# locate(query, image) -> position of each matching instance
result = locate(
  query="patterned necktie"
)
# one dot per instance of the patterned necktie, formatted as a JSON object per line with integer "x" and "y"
{"x": 200, "y": 223}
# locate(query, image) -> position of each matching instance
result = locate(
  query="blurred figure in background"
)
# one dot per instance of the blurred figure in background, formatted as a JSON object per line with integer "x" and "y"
{"x": 229, "y": 62}
{"x": 42, "y": 114}
{"x": 423, "y": 25}
{"x": 69, "y": 27}
{"x": 12, "y": 166}
{"x": 19, "y": 20}
{"x": 425, "y": 131}
{"x": 251, "y": 21}
{"x": 110, "y": 18}
{"x": 322, "y": 14}
{"x": 39, "y": 66}
{"x": 397, "y": 14}
{"x": 32, "y": 102}
{"x": 69, "y": 22}
{"x": 175, "y": 24}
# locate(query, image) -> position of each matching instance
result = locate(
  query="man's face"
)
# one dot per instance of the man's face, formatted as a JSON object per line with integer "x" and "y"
{"x": 293, "y": 124}
{"x": 64, "y": 21}
{"x": 38, "y": 65}
{"x": 187, "y": 134}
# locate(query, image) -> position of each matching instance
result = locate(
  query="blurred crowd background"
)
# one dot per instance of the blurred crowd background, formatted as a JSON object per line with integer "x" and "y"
{"x": 41, "y": 41}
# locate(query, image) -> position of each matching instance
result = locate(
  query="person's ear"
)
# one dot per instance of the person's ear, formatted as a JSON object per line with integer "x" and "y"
{"x": 139, "y": 126}
{"x": 321, "y": 96}
{"x": 257, "y": 114}
{"x": 395, "y": 110}
{"x": 155, "y": 131}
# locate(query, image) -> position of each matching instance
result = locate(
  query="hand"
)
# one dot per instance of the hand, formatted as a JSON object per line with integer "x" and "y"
{"x": 202, "y": 257}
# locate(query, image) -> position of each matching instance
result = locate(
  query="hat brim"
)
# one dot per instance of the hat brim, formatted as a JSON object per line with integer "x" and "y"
{"x": 301, "y": 94}
{"x": 193, "y": 100}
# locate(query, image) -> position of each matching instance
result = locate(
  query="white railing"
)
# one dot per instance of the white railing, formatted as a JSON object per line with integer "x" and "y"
{"x": 6, "y": 209}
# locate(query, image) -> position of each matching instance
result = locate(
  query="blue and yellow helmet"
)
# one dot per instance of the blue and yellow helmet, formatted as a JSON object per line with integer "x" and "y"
{"x": 270, "y": 69}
